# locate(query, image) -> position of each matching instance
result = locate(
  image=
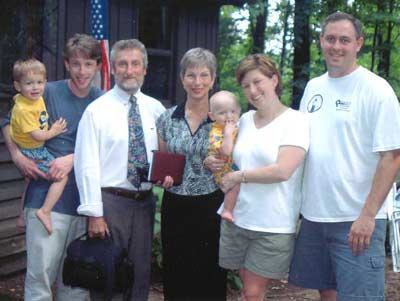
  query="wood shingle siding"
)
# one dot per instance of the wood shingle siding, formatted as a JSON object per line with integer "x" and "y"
{"x": 12, "y": 239}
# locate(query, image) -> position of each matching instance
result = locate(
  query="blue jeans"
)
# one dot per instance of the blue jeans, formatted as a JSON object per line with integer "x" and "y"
{"x": 323, "y": 260}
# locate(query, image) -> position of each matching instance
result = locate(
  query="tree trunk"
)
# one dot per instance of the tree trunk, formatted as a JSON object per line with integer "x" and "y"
{"x": 373, "y": 50}
{"x": 379, "y": 41}
{"x": 258, "y": 12}
{"x": 288, "y": 10}
{"x": 301, "y": 57}
{"x": 385, "y": 47}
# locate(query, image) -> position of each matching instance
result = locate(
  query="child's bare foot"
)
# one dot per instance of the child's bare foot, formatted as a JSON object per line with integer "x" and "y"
{"x": 21, "y": 221}
{"x": 45, "y": 218}
{"x": 227, "y": 215}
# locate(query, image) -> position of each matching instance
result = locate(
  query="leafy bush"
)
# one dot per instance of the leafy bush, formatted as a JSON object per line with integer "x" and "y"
{"x": 157, "y": 248}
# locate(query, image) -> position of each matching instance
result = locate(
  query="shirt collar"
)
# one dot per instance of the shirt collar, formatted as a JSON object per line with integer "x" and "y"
{"x": 179, "y": 112}
{"x": 21, "y": 98}
{"x": 125, "y": 96}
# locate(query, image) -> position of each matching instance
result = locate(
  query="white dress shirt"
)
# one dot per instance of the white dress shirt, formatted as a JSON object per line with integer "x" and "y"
{"x": 101, "y": 151}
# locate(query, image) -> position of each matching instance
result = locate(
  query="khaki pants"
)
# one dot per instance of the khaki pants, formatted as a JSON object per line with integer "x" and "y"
{"x": 46, "y": 254}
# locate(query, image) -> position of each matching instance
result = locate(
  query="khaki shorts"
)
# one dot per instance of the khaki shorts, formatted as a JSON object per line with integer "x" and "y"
{"x": 263, "y": 253}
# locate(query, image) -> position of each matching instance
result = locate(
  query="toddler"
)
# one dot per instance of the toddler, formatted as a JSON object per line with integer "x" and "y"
{"x": 29, "y": 128}
{"x": 225, "y": 112}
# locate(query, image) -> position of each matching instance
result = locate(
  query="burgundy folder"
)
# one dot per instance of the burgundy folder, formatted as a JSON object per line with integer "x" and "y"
{"x": 167, "y": 164}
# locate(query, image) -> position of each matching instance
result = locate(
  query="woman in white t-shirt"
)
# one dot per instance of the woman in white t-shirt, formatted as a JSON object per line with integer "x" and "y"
{"x": 270, "y": 150}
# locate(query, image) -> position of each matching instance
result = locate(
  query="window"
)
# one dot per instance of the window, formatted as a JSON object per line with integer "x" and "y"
{"x": 155, "y": 30}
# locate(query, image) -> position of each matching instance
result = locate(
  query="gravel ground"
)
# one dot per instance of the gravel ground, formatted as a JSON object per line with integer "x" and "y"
{"x": 11, "y": 289}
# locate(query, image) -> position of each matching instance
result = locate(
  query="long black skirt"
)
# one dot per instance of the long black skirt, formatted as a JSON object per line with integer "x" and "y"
{"x": 190, "y": 230}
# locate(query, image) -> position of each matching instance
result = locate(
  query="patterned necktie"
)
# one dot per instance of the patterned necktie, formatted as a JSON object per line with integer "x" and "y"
{"x": 137, "y": 156}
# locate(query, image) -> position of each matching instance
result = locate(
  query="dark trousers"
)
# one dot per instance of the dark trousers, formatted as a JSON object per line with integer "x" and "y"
{"x": 190, "y": 230}
{"x": 131, "y": 225}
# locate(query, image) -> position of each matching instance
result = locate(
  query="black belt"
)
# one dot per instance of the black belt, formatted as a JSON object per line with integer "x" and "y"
{"x": 137, "y": 195}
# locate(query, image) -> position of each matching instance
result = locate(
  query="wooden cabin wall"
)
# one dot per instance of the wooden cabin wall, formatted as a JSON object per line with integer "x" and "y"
{"x": 12, "y": 240}
{"x": 193, "y": 26}
{"x": 197, "y": 26}
{"x": 64, "y": 18}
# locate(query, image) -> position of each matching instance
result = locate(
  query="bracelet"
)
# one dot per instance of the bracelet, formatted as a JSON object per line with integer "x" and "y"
{"x": 244, "y": 180}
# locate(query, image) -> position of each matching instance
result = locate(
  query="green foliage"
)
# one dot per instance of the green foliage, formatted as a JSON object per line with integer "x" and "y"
{"x": 157, "y": 248}
{"x": 236, "y": 44}
{"x": 232, "y": 49}
{"x": 234, "y": 281}
{"x": 375, "y": 16}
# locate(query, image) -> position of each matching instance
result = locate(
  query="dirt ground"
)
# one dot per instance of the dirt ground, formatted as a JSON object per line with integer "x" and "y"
{"x": 11, "y": 289}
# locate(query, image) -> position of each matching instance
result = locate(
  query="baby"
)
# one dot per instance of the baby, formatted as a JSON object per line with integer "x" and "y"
{"x": 29, "y": 128}
{"x": 225, "y": 112}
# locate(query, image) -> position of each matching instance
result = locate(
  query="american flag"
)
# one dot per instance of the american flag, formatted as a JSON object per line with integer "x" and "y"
{"x": 99, "y": 25}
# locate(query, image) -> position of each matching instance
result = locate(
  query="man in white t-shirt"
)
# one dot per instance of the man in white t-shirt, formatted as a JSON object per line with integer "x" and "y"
{"x": 352, "y": 162}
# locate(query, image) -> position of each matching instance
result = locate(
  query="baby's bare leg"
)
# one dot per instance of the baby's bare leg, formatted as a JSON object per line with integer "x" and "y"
{"x": 229, "y": 203}
{"x": 54, "y": 193}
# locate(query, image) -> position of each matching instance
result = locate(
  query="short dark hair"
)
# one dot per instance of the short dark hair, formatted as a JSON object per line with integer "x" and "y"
{"x": 339, "y": 16}
{"x": 82, "y": 44}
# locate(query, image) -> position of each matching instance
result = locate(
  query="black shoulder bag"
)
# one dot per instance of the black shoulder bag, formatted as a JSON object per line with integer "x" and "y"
{"x": 97, "y": 264}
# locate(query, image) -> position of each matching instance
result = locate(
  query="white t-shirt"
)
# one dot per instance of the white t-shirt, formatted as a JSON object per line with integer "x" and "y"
{"x": 352, "y": 119}
{"x": 269, "y": 207}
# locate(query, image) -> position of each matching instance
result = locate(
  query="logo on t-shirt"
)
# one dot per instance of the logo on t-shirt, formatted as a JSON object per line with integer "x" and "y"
{"x": 315, "y": 103}
{"x": 342, "y": 105}
{"x": 43, "y": 119}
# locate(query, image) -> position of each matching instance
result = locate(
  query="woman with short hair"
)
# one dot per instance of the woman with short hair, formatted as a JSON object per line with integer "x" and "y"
{"x": 189, "y": 223}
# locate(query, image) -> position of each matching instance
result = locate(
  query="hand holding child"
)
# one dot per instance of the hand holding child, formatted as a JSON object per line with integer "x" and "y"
{"x": 229, "y": 180}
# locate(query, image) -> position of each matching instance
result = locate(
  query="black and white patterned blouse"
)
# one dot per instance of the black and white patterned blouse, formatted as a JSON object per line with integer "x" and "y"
{"x": 175, "y": 131}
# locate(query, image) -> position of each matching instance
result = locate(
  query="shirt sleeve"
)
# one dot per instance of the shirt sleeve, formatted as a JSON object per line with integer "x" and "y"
{"x": 159, "y": 109}
{"x": 303, "y": 101}
{"x": 5, "y": 120}
{"x": 384, "y": 118}
{"x": 161, "y": 125}
{"x": 87, "y": 167}
{"x": 297, "y": 132}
